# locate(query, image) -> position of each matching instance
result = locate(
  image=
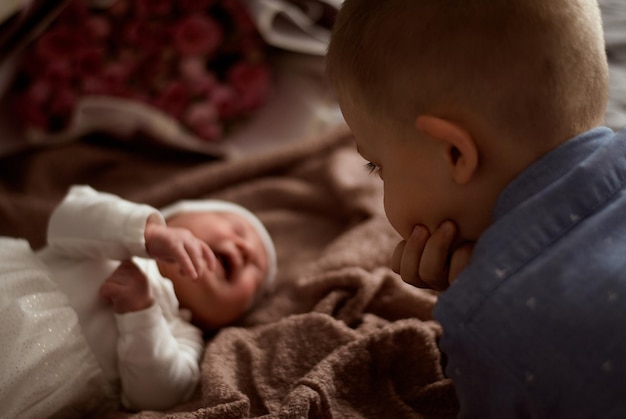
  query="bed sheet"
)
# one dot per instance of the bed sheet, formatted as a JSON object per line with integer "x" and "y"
{"x": 341, "y": 336}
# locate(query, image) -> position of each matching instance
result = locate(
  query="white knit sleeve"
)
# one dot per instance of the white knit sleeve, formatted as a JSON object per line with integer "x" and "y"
{"x": 158, "y": 362}
{"x": 95, "y": 224}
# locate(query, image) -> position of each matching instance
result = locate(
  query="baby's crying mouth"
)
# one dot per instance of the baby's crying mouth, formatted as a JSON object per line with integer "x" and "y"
{"x": 226, "y": 264}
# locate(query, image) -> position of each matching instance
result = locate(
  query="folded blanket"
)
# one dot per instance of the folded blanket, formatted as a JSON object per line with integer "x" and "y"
{"x": 341, "y": 336}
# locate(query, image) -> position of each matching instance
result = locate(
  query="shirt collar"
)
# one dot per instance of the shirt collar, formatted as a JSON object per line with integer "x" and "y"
{"x": 549, "y": 168}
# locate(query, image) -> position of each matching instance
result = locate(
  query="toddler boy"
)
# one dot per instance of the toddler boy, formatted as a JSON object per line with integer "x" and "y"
{"x": 484, "y": 121}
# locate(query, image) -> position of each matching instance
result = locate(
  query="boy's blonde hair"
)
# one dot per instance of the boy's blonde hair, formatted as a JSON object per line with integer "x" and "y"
{"x": 531, "y": 69}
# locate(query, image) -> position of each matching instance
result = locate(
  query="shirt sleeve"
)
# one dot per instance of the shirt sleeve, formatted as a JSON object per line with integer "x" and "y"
{"x": 93, "y": 224}
{"x": 158, "y": 362}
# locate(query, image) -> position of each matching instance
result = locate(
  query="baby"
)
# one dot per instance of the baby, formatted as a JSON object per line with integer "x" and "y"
{"x": 483, "y": 118}
{"x": 145, "y": 284}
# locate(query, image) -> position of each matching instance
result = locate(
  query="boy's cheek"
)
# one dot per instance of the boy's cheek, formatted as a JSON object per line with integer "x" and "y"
{"x": 391, "y": 211}
{"x": 401, "y": 210}
{"x": 399, "y": 217}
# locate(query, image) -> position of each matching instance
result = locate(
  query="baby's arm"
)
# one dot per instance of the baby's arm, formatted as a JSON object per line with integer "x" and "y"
{"x": 92, "y": 224}
{"x": 158, "y": 359}
{"x": 428, "y": 261}
{"x": 98, "y": 225}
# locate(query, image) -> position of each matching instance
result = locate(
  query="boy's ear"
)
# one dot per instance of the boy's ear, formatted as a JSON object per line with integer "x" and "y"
{"x": 459, "y": 146}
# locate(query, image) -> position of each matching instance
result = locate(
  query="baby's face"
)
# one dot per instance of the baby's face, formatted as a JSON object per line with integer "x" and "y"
{"x": 220, "y": 297}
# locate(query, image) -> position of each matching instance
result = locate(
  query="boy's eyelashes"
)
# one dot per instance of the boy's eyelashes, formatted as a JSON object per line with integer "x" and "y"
{"x": 371, "y": 167}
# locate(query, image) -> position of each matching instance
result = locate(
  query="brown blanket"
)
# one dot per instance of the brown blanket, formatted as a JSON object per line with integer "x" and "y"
{"x": 342, "y": 336}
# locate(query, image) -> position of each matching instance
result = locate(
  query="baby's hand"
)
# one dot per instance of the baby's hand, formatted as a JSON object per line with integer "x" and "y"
{"x": 127, "y": 289}
{"x": 179, "y": 245}
{"x": 428, "y": 261}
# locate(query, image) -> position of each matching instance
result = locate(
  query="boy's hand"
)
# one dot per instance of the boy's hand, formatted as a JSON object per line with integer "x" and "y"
{"x": 179, "y": 245}
{"x": 428, "y": 261}
{"x": 127, "y": 289}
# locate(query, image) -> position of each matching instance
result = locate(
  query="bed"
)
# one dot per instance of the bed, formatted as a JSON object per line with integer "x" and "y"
{"x": 342, "y": 336}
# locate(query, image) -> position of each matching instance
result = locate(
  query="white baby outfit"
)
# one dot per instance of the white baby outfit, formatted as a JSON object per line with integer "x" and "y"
{"x": 62, "y": 345}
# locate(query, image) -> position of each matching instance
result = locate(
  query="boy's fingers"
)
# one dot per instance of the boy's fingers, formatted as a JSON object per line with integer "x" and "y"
{"x": 434, "y": 267}
{"x": 460, "y": 259}
{"x": 412, "y": 256}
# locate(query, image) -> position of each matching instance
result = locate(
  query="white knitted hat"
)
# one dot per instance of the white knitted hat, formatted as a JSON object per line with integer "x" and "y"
{"x": 215, "y": 205}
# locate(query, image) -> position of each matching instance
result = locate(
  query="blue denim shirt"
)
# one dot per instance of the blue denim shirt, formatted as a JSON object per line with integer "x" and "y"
{"x": 535, "y": 326}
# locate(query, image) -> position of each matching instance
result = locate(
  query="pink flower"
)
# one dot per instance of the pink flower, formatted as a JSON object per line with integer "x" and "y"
{"x": 197, "y": 35}
{"x": 38, "y": 92}
{"x": 150, "y": 8}
{"x": 58, "y": 44}
{"x": 63, "y": 103}
{"x": 102, "y": 85}
{"x": 30, "y": 113}
{"x": 251, "y": 47}
{"x": 116, "y": 73}
{"x": 194, "y": 6}
{"x": 225, "y": 100}
{"x": 146, "y": 36}
{"x": 252, "y": 82}
{"x": 200, "y": 114}
{"x": 194, "y": 73}
{"x": 58, "y": 72}
{"x": 199, "y": 61}
{"x": 74, "y": 13}
{"x": 202, "y": 118}
{"x": 89, "y": 61}
{"x": 98, "y": 27}
{"x": 94, "y": 86}
{"x": 173, "y": 99}
{"x": 127, "y": 55}
{"x": 205, "y": 85}
{"x": 209, "y": 131}
{"x": 136, "y": 95}
{"x": 119, "y": 9}
{"x": 145, "y": 68}
{"x": 110, "y": 81}
{"x": 241, "y": 18}
{"x": 192, "y": 68}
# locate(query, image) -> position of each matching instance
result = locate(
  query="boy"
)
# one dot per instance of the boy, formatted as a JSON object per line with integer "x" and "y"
{"x": 483, "y": 119}
{"x": 142, "y": 289}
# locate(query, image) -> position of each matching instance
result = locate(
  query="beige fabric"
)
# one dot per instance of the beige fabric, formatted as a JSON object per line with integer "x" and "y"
{"x": 342, "y": 336}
